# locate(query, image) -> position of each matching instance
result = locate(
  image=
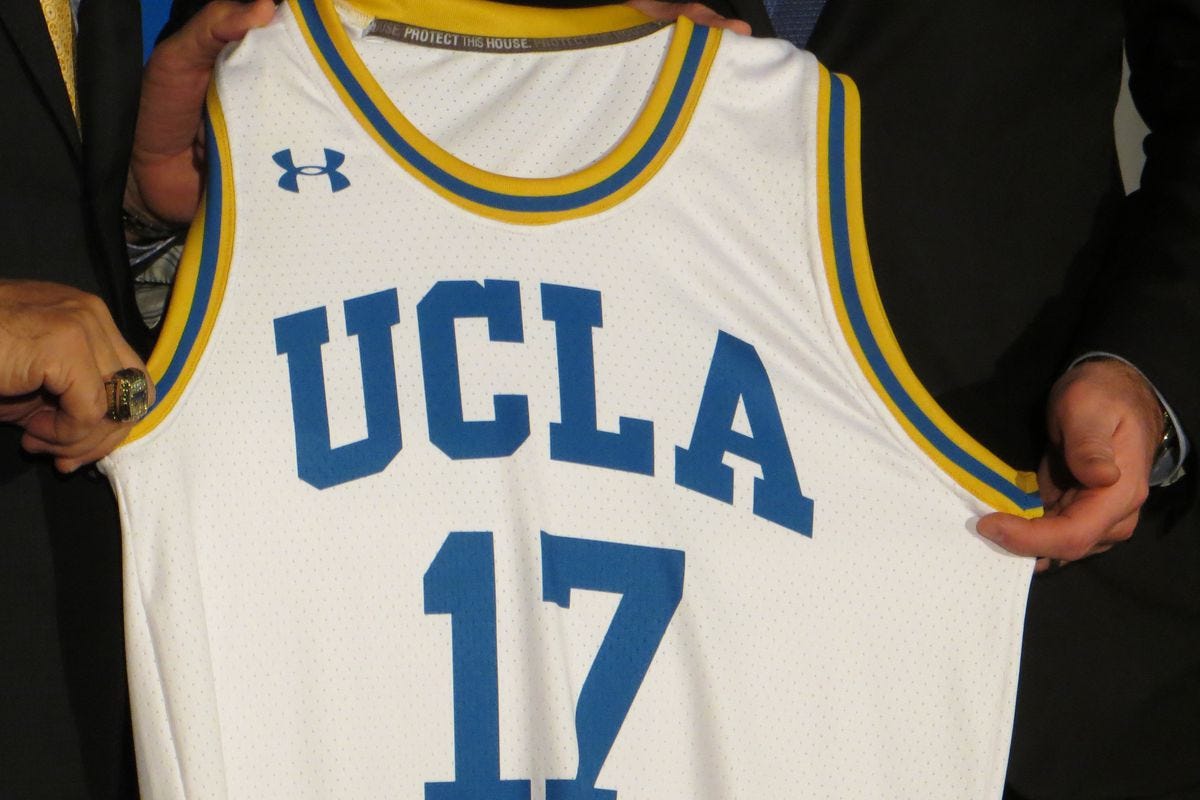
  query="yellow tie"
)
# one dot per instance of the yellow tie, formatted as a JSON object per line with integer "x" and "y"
{"x": 62, "y": 33}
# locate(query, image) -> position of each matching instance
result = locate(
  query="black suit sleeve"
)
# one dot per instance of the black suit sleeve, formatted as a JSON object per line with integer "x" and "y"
{"x": 64, "y": 721}
{"x": 1146, "y": 307}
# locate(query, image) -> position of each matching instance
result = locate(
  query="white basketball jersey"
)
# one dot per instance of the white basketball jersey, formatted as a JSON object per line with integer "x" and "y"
{"x": 528, "y": 426}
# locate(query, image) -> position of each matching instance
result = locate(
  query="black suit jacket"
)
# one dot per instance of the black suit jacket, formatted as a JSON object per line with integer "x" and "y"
{"x": 64, "y": 720}
{"x": 1004, "y": 246}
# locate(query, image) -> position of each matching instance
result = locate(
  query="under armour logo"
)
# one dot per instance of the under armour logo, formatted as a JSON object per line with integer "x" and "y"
{"x": 290, "y": 180}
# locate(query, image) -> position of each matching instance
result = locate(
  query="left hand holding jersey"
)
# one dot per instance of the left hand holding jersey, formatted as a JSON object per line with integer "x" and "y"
{"x": 165, "y": 170}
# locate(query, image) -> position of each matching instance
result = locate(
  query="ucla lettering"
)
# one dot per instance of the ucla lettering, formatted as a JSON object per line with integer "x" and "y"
{"x": 299, "y": 337}
{"x": 499, "y": 302}
{"x": 574, "y": 313}
{"x": 736, "y": 377}
{"x": 737, "y": 374}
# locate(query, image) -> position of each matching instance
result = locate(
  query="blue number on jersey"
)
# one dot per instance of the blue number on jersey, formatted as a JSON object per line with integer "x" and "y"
{"x": 461, "y": 582}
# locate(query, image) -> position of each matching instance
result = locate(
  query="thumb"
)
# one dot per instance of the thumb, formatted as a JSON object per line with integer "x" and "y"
{"x": 166, "y": 179}
{"x": 1087, "y": 449}
{"x": 233, "y": 25}
{"x": 216, "y": 25}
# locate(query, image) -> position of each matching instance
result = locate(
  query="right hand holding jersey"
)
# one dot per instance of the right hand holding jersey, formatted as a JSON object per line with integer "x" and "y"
{"x": 57, "y": 346}
{"x": 1104, "y": 422}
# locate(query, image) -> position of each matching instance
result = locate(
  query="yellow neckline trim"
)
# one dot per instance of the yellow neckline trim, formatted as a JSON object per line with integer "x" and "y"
{"x": 473, "y": 17}
{"x": 640, "y": 153}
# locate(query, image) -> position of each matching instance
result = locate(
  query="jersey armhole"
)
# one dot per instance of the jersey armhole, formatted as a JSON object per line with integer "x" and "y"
{"x": 864, "y": 324}
{"x": 199, "y": 282}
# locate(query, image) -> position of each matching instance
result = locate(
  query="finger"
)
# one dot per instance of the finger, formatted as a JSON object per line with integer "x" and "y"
{"x": 1050, "y": 487}
{"x": 1046, "y": 538}
{"x": 71, "y": 453}
{"x": 696, "y": 12}
{"x": 125, "y": 357}
{"x": 69, "y": 425}
{"x": 81, "y": 357}
{"x": 77, "y": 374}
{"x": 75, "y": 437}
{"x": 74, "y": 377}
{"x": 1050, "y": 564}
{"x": 740, "y": 27}
{"x": 166, "y": 181}
{"x": 234, "y": 26}
{"x": 19, "y": 410}
{"x": 194, "y": 49}
{"x": 99, "y": 442}
{"x": 1094, "y": 519}
{"x": 1117, "y": 533}
{"x": 1061, "y": 502}
{"x": 95, "y": 450}
{"x": 703, "y": 15}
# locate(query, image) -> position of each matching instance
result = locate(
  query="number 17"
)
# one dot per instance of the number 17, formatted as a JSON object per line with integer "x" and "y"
{"x": 461, "y": 582}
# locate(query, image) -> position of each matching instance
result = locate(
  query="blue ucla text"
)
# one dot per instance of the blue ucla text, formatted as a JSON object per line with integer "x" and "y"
{"x": 736, "y": 376}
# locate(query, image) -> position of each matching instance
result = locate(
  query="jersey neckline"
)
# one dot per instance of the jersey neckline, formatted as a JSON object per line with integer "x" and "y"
{"x": 618, "y": 174}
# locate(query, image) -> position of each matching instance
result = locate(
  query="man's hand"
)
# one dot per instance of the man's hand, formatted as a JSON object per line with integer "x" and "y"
{"x": 696, "y": 12}
{"x": 168, "y": 153}
{"x": 1104, "y": 423}
{"x": 57, "y": 345}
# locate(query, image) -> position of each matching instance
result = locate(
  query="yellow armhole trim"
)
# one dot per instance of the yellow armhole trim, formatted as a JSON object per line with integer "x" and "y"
{"x": 879, "y": 331}
{"x": 200, "y": 281}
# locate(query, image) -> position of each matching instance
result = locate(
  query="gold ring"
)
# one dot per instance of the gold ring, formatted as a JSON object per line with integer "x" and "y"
{"x": 128, "y": 393}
